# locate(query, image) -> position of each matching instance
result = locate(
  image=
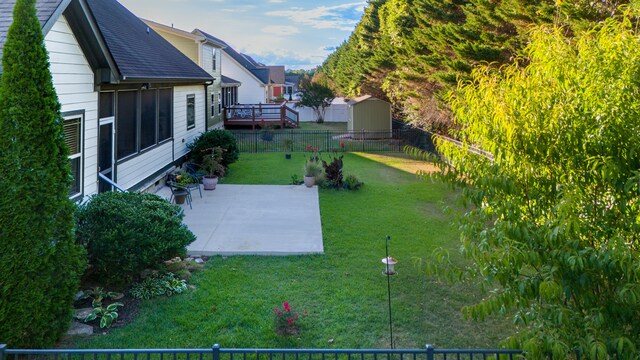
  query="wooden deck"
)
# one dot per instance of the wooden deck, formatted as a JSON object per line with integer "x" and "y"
{"x": 261, "y": 115}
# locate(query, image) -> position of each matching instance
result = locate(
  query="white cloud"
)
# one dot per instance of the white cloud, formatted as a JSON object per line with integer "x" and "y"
{"x": 280, "y": 30}
{"x": 322, "y": 17}
{"x": 276, "y": 1}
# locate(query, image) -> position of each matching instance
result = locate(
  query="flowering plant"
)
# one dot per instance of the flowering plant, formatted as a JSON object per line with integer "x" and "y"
{"x": 313, "y": 165}
{"x": 212, "y": 162}
{"x": 286, "y": 320}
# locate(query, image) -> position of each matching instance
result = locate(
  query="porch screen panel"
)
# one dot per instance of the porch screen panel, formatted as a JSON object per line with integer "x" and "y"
{"x": 148, "y": 124}
{"x": 127, "y": 129}
{"x": 165, "y": 114}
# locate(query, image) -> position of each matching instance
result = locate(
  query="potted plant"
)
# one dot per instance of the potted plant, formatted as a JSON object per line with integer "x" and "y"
{"x": 288, "y": 147}
{"x": 213, "y": 168}
{"x": 312, "y": 169}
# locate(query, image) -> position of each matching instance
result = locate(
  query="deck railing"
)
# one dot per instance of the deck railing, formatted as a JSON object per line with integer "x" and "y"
{"x": 261, "y": 115}
{"x": 218, "y": 353}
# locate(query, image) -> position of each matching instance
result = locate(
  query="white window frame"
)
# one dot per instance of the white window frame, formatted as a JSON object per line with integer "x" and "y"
{"x": 189, "y": 97}
{"x": 67, "y": 118}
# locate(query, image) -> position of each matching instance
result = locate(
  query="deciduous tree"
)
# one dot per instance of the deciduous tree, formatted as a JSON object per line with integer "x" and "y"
{"x": 318, "y": 97}
{"x": 552, "y": 228}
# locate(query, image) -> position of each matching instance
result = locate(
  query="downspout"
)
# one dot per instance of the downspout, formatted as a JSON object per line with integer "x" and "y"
{"x": 207, "y": 98}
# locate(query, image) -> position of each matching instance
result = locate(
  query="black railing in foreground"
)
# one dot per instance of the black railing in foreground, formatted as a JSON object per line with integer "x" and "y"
{"x": 218, "y": 353}
{"x": 270, "y": 140}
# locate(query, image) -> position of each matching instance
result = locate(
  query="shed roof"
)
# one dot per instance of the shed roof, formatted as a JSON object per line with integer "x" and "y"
{"x": 139, "y": 52}
{"x": 364, "y": 98}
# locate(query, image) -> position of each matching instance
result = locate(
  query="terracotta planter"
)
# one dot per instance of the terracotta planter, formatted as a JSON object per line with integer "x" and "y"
{"x": 210, "y": 182}
{"x": 309, "y": 181}
{"x": 180, "y": 199}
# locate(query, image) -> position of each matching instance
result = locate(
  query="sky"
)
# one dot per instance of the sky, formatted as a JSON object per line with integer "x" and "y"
{"x": 299, "y": 34}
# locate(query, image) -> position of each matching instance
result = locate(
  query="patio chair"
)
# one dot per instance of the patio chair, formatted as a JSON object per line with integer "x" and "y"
{"x": 195, "y": 171}
{"x": 179, "y": 190}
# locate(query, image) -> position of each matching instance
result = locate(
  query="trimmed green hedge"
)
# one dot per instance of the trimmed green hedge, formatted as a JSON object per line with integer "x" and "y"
{"x": 212, "y": 138}
{"x": 125, "y": 233}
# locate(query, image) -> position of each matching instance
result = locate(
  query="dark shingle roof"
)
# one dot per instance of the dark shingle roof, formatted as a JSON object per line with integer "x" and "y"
{"x": 211, "y": 38}
{"x": 229, "y": 81}
{"x": 293, "y": 79}
{"x": 45, "y": 9}
{"x": 138, "y": 51}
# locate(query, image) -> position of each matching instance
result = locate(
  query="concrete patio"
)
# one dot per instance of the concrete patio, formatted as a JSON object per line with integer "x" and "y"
{"x": 254, "y": 220}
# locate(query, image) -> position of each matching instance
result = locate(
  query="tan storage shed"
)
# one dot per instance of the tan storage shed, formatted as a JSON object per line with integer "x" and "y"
{"x": 370, "y": 115}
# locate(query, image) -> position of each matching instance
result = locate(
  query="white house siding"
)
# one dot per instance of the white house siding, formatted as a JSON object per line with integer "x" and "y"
{"x": 132, "y": 172}
{"x": 73, "y": 81}
{"x": 251, "y": 91}
{"x": 181, "y": 135}
{"x": 216, "y": 87}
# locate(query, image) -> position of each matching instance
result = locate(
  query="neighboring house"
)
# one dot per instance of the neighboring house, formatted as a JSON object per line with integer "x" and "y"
{"x": 130, "y": 100}
{"x": 291, "y": 86}
{"x": 258, "y": 82}
{"x": 204, "y": 51}
{"x": 276, "y": 82}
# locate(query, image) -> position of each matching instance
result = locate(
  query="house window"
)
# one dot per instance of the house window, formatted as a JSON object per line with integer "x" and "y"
{"x": 219, "y": 102}
{"x": 213, "y": 105}
{"x": 73, "y": 140}
{"x": 191, "y": 111}
{"x": 213, "y": 67}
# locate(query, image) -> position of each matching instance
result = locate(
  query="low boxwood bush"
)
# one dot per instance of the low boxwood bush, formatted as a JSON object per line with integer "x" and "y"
{"x": 125, "y": 233}
{"x": 210, "y": 139}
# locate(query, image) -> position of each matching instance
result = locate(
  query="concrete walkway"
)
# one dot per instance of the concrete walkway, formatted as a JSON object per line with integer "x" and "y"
{"x": 254, "y": 220}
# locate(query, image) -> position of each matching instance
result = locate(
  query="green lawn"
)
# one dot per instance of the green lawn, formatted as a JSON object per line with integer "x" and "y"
{"x": 343, "y": 290}
{"x": 310, "y": 125}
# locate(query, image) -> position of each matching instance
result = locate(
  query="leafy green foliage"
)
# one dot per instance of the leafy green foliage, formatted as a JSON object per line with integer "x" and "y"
{"x": 98, "y": 294}
{"x": 412, "y": 52}
{"x": 155, "y": 285}
{"x": 351, "y": 182}
{"x": 555, "y": 211}
{"x": 107, "y": 315}
{"x": 40, "y": 264}
{"x": 125, "y": 233}
{"x": 316, "y": 96}
{"x": 200, "y": 146}
{"x": 333, "y": 172}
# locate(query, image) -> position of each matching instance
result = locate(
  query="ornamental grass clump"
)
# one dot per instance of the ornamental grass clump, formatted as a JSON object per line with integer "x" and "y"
{"x": 286, "y": 320}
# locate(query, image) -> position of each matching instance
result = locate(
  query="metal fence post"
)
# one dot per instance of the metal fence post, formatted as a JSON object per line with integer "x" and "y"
{"x": 429, "y": 349}
{"x": 215, "y": 349}
{"x": 3, "y": 348}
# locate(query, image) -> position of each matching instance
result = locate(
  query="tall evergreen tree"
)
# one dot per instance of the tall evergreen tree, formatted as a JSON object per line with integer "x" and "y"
{"x": 40, "y": 264}
{"x": 415, "y": 51}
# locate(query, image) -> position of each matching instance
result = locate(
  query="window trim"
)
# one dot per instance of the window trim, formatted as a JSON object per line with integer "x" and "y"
{"x": 68, "y": 116}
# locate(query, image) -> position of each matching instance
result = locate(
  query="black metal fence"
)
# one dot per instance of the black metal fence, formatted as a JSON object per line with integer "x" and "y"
{"x": 218, "y": 353}
{"x": 296, "y": 140}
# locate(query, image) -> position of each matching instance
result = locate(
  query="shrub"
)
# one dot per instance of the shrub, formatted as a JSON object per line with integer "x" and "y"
{"x": 211, "y": 139}
{"x": 155, "y": 285}
{"x": 333, "y": 172}
{"x": 40, "y": 263}
{"x": 351, "y": 182}
{"x": 124, "y": 233}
